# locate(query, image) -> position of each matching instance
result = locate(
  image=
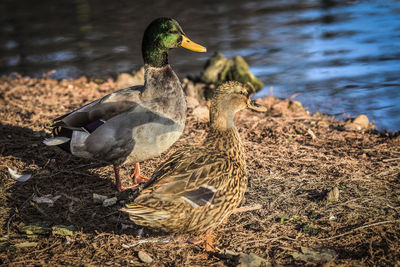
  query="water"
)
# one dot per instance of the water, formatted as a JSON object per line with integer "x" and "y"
{"x": 342, "y": 57}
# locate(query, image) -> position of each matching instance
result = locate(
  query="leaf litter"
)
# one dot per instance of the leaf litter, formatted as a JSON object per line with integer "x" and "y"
{"x": 294, "y": 160}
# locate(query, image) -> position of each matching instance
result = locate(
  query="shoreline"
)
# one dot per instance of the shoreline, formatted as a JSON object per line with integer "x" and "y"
{"x": 195, "y": 88}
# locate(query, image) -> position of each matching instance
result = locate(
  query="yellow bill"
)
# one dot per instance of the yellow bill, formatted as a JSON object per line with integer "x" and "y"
{"x": 188, "y": 44}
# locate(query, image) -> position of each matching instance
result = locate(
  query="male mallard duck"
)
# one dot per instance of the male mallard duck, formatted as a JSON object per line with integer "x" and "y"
{"x": 198, "y": 187}
{"x": 137, "y": 123}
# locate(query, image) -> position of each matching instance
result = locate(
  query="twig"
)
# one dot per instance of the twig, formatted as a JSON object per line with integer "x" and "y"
{"x": 248, "y": 208}
{"x": 26, "y": 202}
{"x": 270, "y": 239}
{"x": 109, "y": 214}
{"x": 392, "y": 159}
{"x": 148, "y": 240}
{"x": 358, "y": 228}
{"x": 41, "y": 211}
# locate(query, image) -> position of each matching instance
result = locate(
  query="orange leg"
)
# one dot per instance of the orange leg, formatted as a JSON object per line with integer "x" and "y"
{"x": 118, "y": 184}
{"x": 137, "y": 178}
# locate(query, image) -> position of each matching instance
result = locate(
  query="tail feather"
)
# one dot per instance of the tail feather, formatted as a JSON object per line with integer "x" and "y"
{"x": 144, "y": 213}
{"x": 55, "y": 141}
{"x": 62, "y": 138}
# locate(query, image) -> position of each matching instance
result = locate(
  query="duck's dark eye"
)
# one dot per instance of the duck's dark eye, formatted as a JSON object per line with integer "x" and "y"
{"x": 172, "y": 31}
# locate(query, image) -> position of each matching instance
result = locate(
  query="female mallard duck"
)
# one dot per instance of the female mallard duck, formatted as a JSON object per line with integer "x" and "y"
{"x": 137, "y": 123}
{"x": 198, "y": 187}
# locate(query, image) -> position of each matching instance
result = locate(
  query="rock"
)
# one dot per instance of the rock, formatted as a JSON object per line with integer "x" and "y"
{"x": 144, "y": 257}
{"x": 313, "y": 255}
{"x": 191, "y": 102}
{"x": 46, "y": 199}
{"x": 99, "y": 199}
{"x": 333, "y": 195}
{"x": 240, "y": 72}
{"x": 26, "y": 245}
{"x": 213, "y": 68}
{"x": 252, "y": 260}
{"x": 110, "y": 202}
{"x": 63, "y": 230}
{"x": 202, "y": 113}
{"x": 218, "y": 69}
{"x": 332, "y": 218}
{"x": 194, "y": 89}
{"x": 360, "y": 122}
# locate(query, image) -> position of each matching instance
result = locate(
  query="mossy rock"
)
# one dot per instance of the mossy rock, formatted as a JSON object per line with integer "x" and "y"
{"x": 240, "y": 72}
{"x": 219, "y": 69}
{"x": 214, "y": 66}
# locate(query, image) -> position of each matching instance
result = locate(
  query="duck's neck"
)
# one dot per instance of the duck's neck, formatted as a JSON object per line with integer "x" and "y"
{"x": 160, "y": 82}
{"x": 223, "y": 131}
{"x": 162, "y": 93}
{"x": 153, "y": 55}
{"x": 221, "y": 116}
{"x": 222, "y": 120}
{"x": 227, "y": 140}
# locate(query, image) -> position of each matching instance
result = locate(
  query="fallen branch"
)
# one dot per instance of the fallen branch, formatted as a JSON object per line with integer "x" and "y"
{"x": 265, "y": 240}
{"x": 358, "y": 228}
{"x": 148, "y": 240}
{"x": 392, "y": 159}
{"x": 248, "y": 208}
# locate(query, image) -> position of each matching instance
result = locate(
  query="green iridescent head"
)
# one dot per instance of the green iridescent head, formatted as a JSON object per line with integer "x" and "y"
{"x": 162, "y": 35}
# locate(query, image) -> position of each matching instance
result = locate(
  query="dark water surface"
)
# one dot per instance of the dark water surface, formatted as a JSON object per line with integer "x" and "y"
{"x": 343, "y": 57}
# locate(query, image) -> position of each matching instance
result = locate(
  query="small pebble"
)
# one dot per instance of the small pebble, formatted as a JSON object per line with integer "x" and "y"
{"x": 98, "y": 198}
{"x": 144, "y": 257}
{"x": 110, "y": 202}
{"x": 333, "y": 195}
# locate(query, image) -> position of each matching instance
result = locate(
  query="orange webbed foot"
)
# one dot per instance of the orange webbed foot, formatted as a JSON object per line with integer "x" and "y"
{"x": 137, "y": 178}
{"x": 123, "y": 188}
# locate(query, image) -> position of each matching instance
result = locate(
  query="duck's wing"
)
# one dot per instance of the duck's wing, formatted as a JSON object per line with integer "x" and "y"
{"x": 193, "y": 176}
{"x": 97, "y": 112}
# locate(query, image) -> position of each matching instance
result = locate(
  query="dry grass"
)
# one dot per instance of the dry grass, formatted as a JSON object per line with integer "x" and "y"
{"x": 290, "y": 173}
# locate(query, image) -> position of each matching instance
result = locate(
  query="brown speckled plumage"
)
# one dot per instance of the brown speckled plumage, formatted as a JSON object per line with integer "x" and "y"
{"x": 198, "y": 187}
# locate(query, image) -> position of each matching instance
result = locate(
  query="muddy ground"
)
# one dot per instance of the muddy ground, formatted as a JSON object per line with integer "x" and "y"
{"x": 329, "y": 194}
